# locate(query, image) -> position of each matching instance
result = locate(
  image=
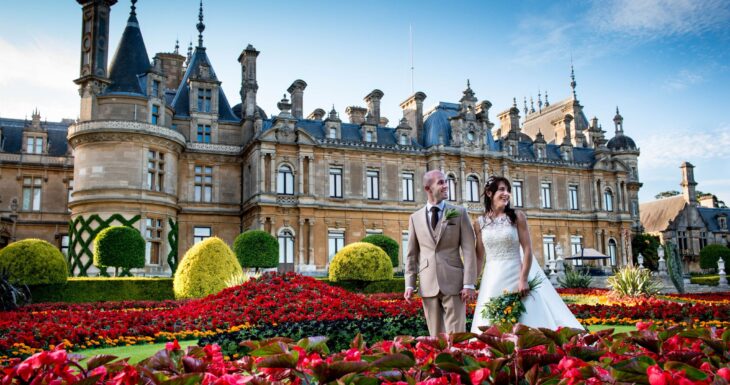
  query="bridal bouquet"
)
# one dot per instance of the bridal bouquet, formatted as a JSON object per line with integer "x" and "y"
{"x": 508, "y": 307}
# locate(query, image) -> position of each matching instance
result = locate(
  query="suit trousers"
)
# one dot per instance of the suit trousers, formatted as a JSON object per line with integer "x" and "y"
{"x": 444, "y": 313}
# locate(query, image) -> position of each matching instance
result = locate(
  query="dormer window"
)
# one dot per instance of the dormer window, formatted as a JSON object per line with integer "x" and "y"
{"x": 155, "y": 88}
{"x": 203, "y": 133}
{"x": 540, "y": 153}
{"x": 333, "y": 133}
{"x": 34, "y": 145}
{"x": 470, "y": 136}
{"x": 722, "y": 222}
{"x": 404, "y": 140}
{"x": 204, "y": 99}
{"x": 368, "y": 136}
{"x": 155, "y": 114}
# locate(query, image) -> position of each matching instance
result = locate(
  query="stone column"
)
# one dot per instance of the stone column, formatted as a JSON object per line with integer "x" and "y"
{"x": 310, "y": 189}
{"x": 311, "y": 242}
{"x": 272, "y": 187}
{"x": 300, "y": 238}
{"x": 272, "y": 222}
{"x": 262, "y": 173}
{"x": 462, "y": 177}
{"x": 301, "y": 175}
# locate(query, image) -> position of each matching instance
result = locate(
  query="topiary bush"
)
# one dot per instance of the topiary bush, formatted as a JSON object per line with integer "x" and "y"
{"x": 710, "y": 254}
{"x": 204, "y": 269}
{"x": 389, "y": 245}
{"x": 674, "y": 266}
{"x": 360, "y": 261}
{"x": 119, "y": 246}
{"x": 33, "y": 262}
{"x": 256, "y": 249}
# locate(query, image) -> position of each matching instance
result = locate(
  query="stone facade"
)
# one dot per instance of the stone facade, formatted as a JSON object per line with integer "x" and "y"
{"x": 158, "y": 146}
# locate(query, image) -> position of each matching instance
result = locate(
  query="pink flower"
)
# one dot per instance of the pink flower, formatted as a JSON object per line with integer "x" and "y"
{"x": 658, "y": 376}
{"x": 567, "y": 363}
{"x": 24, "y": 370}
{"x": 724, "y": 373}
{"x": 644, "y": 325}
{"x": 479, "y": 375}
{"x": 170, "y": 346}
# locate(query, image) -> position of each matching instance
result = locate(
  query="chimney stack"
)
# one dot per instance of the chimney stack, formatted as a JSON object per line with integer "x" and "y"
{"x": 688, "y": 183}
{"x": 172, "y": 68}
{"x": 356, "y": 114}
{"x": 296, "y": 90}
{"x": 373, "y": 102}
{"x": 413, "y": 112}
{"x": 249, "y": 86}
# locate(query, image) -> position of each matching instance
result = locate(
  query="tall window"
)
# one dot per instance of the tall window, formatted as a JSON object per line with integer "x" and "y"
{"x": 404, "y": 140}
{"x": 286, "y": 247}
{"x": 573, "y": 194}
{"x": 155, "y": 114}
{"x": 517, "y": 193}
{"x": 34, "y": 145}
{"x": 612, "y": 251}
{"x": 203, "y": 184}
{"x": 682, "y": 241}
{"x": 451, "y": 180}
{"x": 634, "y": 208}
{"x": 368, "y": 136}
{"x": 373, "y": 184}
{"x": 576, "y": 247}
{"x": 548, "y": 248}
{"x": 153, "y": 234}
{"x": 333, "y": 133}
{"x": 336, "y": 241}
{"x": 155, "y": 170}
{"x": 203, "y": 133}
{"x": 608, "y": 200}
{"x": 64, "y": 245}
{"x": 155, "y": 88}
{"x": 703, "y": 239}
{"x": 32, "y": 193}
{"x": 722, "y": 222}
{"x": 472, "y": 189}
{"x": 204, "y": 98}
{"x": 545, "y": 201}
{"x": 336, "y": 182}
{"x": 408, "y": 186}
{"x": 200, "y": 234}
{"x": 285, "y": 181}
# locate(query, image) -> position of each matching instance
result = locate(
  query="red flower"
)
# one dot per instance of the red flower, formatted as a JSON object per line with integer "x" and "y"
{"x": 644, "y": 325}
{"x": 657, "y": 376}
{"x": 479, "y": 375}
{"x": 568, "y": 363}
{"x": 127, "y": 376}
{"x": 724, "y": 373}
{"x": 170, "y": 346}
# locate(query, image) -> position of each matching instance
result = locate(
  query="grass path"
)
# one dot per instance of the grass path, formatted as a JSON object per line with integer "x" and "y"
{"x": 137, "y": 353}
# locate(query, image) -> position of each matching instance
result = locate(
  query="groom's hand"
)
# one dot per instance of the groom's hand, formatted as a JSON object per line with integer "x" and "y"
{"x": 408, "y": 294}
{"x": 468, "y": 294}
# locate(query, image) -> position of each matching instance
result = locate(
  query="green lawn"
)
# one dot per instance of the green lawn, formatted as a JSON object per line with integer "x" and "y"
{"x": 137, "y": 353}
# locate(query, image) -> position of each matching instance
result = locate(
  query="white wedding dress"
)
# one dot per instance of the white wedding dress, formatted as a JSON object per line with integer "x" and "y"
{"x": 502, "y": 265}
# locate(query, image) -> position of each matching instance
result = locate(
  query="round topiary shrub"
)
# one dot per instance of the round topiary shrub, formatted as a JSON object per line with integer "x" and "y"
{"x": 389, "y": 245}
{"x": 33, "y": 262}
{"x": 360, "y": 261}
{"x": 710, "y": 254}
{"x": 119, "y": 246}
{"x": 204, "y": 269}
{"x": 256, "y": 249}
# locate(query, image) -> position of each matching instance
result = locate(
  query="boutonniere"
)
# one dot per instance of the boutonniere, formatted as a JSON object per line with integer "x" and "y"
{"x": 451, "y": 213}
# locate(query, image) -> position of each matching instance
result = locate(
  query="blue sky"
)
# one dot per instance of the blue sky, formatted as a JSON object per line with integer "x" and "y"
{"x": 663, "y": 63}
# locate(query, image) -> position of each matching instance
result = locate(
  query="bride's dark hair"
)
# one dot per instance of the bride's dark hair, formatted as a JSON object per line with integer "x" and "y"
{"x": 492, "y": 185}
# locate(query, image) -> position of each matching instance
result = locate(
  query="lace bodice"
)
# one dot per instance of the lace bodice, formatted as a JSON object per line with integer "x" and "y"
{"x": 500, "y": 238}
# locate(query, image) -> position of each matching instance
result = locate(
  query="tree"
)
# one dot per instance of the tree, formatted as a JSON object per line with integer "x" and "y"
{"x": 256, "y": 249}
{"x": 119, "y": 246}
{"x": 667, "y": 194}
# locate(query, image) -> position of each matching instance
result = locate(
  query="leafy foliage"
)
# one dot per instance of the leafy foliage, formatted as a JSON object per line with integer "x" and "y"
{"x": 239, "y": 279}
{"x": 389, "y": 245}
{"x": 633, "y": 281}
{"x": 256, "y": 249}
{"x": 646, "y": 245}
{"x": 575, "y": 279}
{"x": 360, "y": 261}
{"x": 98, "y": 289}
{"x": 119, "y": 246}
{"x": 32, "y": 262}
{"x": 508, "y": 307}
{"x": 710, "y": 254}
{"x": 205, "y": 269}
{"x": 12, "y": 296}
{"x": 674, "y": 266}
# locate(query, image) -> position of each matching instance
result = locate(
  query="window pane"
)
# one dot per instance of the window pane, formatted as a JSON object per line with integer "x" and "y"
{"x": 198, "y": 193}
{"x": 30, "y": 146}
{"x": 27, "y": 197}
{"x": 208, "y": 193}
{"x": 39, "y": 145}
{"x": 36, "y": 199}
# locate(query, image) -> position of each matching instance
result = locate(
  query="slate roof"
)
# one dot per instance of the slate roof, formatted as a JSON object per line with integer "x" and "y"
{"x": 436, "y": 125}
{"x": 349, "y": 132}
{"x": 621, "y": 142}
{"x": 130, "y": 61}
{"x": 181, "y": 101}
{"x": 709, "y": 215}
{"x": 12, "y": 132}
{"x": 656, "y": 215}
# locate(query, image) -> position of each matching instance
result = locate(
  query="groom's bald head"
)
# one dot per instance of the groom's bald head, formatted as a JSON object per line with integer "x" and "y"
{"x": 430, "y": 176}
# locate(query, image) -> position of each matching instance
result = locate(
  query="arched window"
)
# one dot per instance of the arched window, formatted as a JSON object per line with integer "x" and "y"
{"x": 608, "y": 200}
{"x": 285, "y": 181}
{"x": 451, "y": 180}
{"x": 612, "y": 249}
{"x": 286, "y": 247}
{"x": 472, "y": 192}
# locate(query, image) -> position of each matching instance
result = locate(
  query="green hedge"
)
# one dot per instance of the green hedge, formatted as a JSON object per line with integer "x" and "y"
{"x": 85, "y": 289}
{"x": 709, "y": 280}
{"x": 395, "y": 285}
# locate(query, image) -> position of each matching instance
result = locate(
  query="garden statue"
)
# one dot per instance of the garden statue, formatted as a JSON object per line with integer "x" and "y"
{"x": 662, "y": 262}
{"x": 640, "y": 258}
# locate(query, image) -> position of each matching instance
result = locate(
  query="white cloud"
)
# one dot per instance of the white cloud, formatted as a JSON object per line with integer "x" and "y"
{"x": 682, "y": 80}
{"x": 38, "y": 73}
{"x": 673, "y": 146}
{"x": 657, "y": 18}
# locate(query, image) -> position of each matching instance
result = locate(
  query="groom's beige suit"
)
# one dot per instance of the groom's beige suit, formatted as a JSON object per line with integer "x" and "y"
{"x": 444, "y": 259}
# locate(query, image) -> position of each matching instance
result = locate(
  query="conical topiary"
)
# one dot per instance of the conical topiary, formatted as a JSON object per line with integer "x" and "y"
{"x": 205, "y": 269}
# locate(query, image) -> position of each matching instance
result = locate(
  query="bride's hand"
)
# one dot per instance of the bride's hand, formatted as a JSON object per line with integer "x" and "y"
{"x": 523, "y": 288}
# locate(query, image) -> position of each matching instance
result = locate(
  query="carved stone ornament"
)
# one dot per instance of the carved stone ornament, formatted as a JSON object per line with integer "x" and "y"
{"x": 286, "y": 133}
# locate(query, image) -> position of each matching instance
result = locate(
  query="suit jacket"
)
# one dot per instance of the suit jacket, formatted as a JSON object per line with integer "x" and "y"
{"x": 434, "y": 255}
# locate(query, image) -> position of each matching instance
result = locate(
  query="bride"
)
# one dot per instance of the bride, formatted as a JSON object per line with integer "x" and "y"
{"x": 503, "y": 232}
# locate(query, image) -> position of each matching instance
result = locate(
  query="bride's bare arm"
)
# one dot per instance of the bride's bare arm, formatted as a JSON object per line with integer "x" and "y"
{"x": 524, "y": 236}
{"x": 481, "y": 253}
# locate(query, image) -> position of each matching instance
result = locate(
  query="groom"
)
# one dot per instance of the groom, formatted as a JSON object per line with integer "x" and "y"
{"x": 436, "y": 234}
